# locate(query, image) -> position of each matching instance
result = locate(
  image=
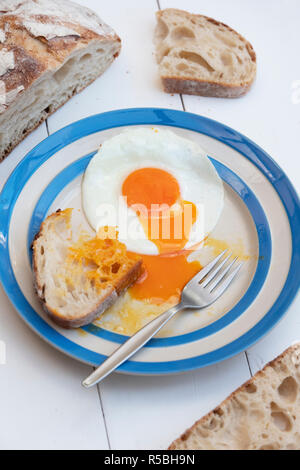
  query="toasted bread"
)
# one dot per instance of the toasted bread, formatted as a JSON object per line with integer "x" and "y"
{"x": 263, "y": 414}
{"x": 78, "y": 280}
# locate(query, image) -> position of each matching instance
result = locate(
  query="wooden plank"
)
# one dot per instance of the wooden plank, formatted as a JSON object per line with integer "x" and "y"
{"x": 268, "y": 114}
{"x": 286, "y": 333}
{"x": 42, "y": 404}
{"x": 150, "y": 412}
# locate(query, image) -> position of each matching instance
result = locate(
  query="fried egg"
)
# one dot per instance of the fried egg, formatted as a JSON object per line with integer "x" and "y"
{"x": 145, "y": 166}
{"x": 163, "y": 195}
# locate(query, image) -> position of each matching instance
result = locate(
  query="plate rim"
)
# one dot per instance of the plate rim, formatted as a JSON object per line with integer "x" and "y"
{"x": 183, "y": 120}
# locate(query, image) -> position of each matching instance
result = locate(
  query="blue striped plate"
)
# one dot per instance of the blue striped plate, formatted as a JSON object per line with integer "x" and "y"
{"x": 261, "y": 220}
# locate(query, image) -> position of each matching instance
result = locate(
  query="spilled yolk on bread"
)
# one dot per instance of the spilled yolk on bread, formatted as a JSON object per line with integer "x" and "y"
{"x": 104, "y": 262}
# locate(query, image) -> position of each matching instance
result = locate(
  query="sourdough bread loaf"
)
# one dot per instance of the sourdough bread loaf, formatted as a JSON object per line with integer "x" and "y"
{"x": 49, "y": 51}
{"x": 198, "y": 55}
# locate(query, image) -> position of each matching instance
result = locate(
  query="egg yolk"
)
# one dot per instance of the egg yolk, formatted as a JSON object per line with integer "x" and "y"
{"x": 167, "y": 220}
{"x": 154, "y": 194}
{"x": 150, "y": 186}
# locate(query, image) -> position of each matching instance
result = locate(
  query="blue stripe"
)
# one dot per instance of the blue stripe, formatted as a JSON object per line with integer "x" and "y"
{"x": 150, "y": 116}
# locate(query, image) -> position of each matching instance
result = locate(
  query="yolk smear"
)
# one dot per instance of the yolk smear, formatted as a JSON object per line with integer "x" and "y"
{"x": 165, "y": 277}
{"x": 171, "y": 228}
{"x": 236, "y": 248}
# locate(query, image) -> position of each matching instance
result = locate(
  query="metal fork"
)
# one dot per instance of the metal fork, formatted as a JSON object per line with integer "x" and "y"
{"x": 202, "y": 290}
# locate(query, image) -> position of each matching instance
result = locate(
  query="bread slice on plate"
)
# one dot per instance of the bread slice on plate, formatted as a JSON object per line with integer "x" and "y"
{"x": 198, "y": 55}
{"x": 49, "y": 51}
{"x": 77, "y": 280}
{"x": 263, "y": 414}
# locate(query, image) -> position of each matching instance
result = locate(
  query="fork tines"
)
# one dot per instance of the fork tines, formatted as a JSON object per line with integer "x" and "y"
{"x": 213, "y": 278}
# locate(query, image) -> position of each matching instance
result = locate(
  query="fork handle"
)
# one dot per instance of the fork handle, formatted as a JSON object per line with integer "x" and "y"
{"x": 130, "y": 347}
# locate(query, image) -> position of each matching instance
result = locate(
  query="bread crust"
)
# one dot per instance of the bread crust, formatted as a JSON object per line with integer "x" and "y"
{"x": 200, "y": 87}
{"x": 275, "y": 362}
{"x": 103, "y": 305}
{"x": 35, "y": 41}
{"x": 124, "y": 283}
{"x": 186, "y": 86}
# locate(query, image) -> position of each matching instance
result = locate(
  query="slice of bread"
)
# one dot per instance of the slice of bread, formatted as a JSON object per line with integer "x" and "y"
{"x": 78, "y": 280}
{"x": 263, "y": 414}
{"x": 198, "y": 55}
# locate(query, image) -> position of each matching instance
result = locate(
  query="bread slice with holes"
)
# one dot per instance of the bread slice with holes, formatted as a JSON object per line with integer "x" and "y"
{"x": 77, "y": 280}
{"x": 49, "y": 51}
{"x": 263, "y": 414}
{"x": 198, "y": 55}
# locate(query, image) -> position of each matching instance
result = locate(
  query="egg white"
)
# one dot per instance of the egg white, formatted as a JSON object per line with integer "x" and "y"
{"x": 137, "y": 148}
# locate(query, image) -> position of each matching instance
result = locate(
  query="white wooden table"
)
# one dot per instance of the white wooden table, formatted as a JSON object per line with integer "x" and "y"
{"x": 42, "y": 404}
